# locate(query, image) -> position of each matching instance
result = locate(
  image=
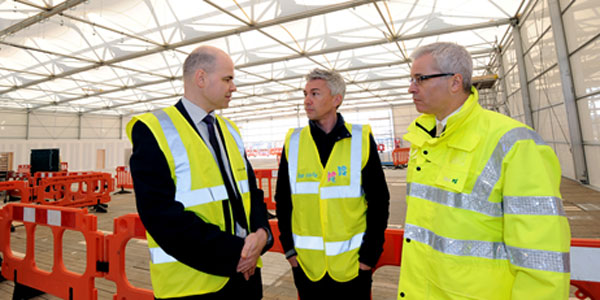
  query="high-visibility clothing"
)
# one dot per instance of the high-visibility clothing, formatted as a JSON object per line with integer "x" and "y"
{"x": 484, "y": 217}
{"x": 199, "y": 187}
{"x": 329, "y": 207}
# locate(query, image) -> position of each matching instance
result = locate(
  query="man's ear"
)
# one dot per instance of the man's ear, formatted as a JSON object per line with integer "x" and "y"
{"x": 337, "y": 100}
{"x": 200, "y": 78}
{"x": 456, "y": 84}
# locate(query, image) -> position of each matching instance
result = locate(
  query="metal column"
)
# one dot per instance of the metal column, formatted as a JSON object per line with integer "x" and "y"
{"x": 568, "y": 89}
{"x": 503, "y": 79}
{"x": 522, "y": 74}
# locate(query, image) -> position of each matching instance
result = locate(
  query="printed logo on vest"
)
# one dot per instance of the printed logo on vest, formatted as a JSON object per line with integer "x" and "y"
{"x": 307, "y": 175}
{"x": 342, "y": 171}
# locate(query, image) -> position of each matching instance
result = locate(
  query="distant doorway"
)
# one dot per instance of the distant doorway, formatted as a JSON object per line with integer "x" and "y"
{"x": 100, "y": 159}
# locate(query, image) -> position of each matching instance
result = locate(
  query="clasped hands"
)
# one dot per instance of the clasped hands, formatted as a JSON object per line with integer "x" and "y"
{"x": 253, "y": 245}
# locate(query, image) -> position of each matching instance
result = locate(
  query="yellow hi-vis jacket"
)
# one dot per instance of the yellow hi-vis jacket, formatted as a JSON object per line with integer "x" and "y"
{"x": 199, "y": 187}
{"x": 329, "y": 207}
{"x": 484, "y": 218}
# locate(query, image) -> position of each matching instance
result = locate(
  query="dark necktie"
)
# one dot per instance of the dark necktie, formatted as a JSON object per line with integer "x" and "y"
{"x": 236, "y": 202}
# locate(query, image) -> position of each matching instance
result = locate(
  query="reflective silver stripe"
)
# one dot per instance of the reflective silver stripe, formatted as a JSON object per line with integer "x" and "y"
{"x": 159, "y": 256}
{"x": 201, "y": 196}
{"x": 491, "y": 250}
{"x": 457, "y": 200}
{"x": 478, "y": 199}
{"x": 527, "y": 258}
{"x": 244, "y": 188}
{"x": 539, "y": 259}
{"x": 243, "y": 184}
{"x": 180, "y": 158}
{"x": 335, "y": 248}
{"x": 353, "y": 190}
{"x": 331, "y": 248}
{"x": 533, "y": 205}
{"x": 308, "y": 242}
{"x": 307, "y": 187}
{"x": 293, "y": 161}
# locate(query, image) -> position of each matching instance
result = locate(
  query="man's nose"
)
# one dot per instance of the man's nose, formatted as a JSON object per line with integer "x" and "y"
{"x": 412, "y": 88}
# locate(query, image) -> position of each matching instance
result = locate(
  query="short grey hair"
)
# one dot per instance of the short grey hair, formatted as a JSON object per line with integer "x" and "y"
{"x": 450, "y": 58}
{"x": 201, "y": 58}
{"x": 335, "y": 81}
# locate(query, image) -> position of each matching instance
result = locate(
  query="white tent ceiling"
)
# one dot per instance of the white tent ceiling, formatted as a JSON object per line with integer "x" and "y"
{"x": 121, "y": 57}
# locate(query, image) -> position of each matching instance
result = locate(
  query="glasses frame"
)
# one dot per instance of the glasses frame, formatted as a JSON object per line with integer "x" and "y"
{"x": 419, "y": 79}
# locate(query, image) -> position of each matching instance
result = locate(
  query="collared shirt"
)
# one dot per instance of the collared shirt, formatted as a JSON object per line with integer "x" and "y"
{"x": 445, "y": 120}
{"x": 197, "y": 114}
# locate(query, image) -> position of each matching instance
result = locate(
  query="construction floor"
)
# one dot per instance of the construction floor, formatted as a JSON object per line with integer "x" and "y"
{"x": 582, "y": 206}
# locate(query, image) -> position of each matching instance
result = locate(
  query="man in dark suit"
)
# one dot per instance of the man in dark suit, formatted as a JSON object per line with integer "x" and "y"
{"x": 196, "y": 191}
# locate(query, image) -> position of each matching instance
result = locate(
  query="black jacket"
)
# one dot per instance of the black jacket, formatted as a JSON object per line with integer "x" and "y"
{"x": 182, "y": 234}
{"x": 373, "y": 184}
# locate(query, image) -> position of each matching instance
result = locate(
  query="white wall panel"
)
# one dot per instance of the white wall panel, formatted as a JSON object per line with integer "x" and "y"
{"x": 563, "y": 152}
{"x": 509, "y": 57}
{"x": 515, "y": 106}
{"x": 546, "y": 89}
{"x": 80, "y": 154}
{"x": 512, "y": 80}
{"x": 541, "y": 56}
{"x": 589, "y": 116}
{"x": 564, "y": 4}
{"x": 403, "y": 116}
{"x": 581, "y": 22}
{"x": 592, "y": 157}
{"x": 535, "y": 23}
{"x": 585, "y": 65}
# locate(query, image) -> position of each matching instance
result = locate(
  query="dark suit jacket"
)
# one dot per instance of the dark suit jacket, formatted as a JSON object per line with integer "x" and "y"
{"x": 182, "y": 234}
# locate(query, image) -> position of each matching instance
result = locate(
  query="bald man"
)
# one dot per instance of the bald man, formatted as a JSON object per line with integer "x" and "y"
{"x": 196, "y": 191}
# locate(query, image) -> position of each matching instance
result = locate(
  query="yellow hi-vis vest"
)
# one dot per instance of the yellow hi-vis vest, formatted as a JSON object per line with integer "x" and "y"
{"x": 329, "y": 215}
{"x": 484, "y": 215}
{"x": 199, "y": 187}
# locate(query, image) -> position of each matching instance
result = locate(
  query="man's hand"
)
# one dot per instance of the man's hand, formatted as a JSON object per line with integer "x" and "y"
{"x": 364, "y": 267}
{"x": 293, "y": 261}
{"x": 253, "y": 245}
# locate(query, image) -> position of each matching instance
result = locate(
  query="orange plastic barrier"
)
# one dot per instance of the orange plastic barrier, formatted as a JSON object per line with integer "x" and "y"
{"x": 60, "y": 281}
{"x": 124, "y": 180}
{"x": 125, "y": 228}
{"x": 17, "y": 188}
{"x": 266, "y": 179}
{"x": 64, "y": 166}
{"x": 91, "y": 188}
{"x": 24, "y": 169}
{"x": 400, "y": 157}
{"x": 110, "y": 250}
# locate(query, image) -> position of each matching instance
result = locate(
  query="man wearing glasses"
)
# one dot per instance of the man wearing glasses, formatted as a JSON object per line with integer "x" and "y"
{"x": 484, "y": 217}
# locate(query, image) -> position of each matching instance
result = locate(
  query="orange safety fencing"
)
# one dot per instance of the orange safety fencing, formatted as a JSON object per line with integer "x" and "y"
{"x": 124, "y": 180}
{"x": 266, "y": 179}
{"x": 60, "y": 281}
{"x": 24, "y": 169}
{"x": 106, "y": 254}
{"x": 400, "y": 157}
{"x": 73, "y": 189}
{"x": 78, "y": 189}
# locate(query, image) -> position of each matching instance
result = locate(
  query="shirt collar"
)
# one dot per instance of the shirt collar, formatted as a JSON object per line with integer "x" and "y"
{"x": 339, "y": 130}
{"x": 445, "y": 120}
{"x": 196, "y": 112}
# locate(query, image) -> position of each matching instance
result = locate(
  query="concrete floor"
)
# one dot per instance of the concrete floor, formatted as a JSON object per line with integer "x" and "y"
{"x": 582, "y": 207}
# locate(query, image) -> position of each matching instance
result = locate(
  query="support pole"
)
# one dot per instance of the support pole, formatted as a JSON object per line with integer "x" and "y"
{"x": 568, "y": 90}
{"x": 522, "y": 74}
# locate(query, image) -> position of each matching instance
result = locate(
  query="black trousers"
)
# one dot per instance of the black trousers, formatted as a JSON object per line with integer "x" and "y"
{"x": 236, "y": 288}
{"x": 327, "y": 288}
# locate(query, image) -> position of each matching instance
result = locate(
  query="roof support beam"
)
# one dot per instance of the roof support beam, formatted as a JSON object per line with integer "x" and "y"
{"x": 41, "y": 16}
{"x": 293, "y": 17}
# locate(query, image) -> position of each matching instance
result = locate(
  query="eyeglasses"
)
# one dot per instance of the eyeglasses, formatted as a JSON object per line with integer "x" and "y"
{"x": 419, "y": 79}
